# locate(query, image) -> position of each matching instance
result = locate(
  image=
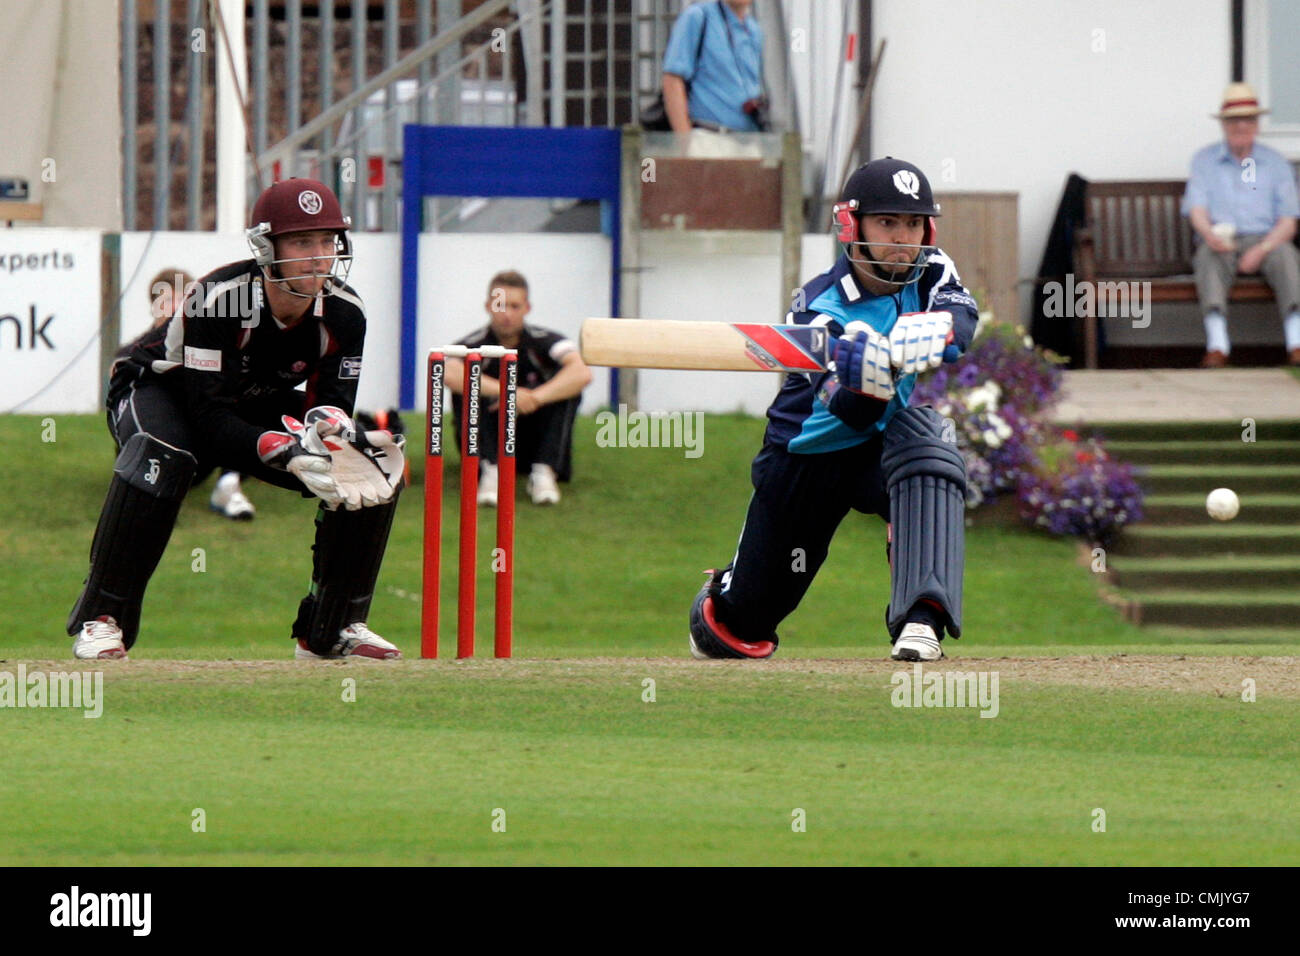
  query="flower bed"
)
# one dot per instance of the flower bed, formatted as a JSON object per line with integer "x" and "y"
{"x": 1078, "y": 489}
{"x": 999, "y": 397}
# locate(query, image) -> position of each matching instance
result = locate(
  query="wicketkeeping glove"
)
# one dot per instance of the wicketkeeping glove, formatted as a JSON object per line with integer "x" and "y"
{"x": 862, "y": 361}
{"x": 301, "y": 452}
{"x": 918, "y": 339}
{"x": 366, "y": 466}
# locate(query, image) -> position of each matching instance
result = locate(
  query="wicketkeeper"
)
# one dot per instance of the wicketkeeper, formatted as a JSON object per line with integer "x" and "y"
{"x": 217, "y": 384}
{"x": 846, "y": 438}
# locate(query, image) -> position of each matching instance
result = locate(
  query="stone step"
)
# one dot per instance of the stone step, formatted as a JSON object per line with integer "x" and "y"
{"x": 1220, "y": 431}
{"x": 1189, "y": 509}
{"x": 1215, "y": 608}
{"x": 1226, "y": 452}
{"x": 1243, "y": 479}
{"x": 1231, "y": 572}
{"x": 1208, "y": 540}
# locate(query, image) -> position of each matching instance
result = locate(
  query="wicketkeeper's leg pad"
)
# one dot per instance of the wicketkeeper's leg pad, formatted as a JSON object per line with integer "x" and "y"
{"x": 926, "y": 478}
{"x": 346, "y": 558}
{"x": 150, "y": 479}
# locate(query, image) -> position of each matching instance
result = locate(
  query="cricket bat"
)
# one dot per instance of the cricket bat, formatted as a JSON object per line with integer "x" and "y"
{"x": 713, "y": 346}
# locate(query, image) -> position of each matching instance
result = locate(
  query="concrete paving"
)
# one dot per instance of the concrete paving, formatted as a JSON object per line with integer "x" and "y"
{"x": 1172, "y": 395}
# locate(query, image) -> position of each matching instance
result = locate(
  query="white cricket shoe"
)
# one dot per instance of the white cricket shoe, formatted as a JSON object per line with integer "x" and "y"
{"x": 355, "y": 640}
{"x": 487, "y": 485}
{"x": 228, "y": 499}
{"x": 542, "y": 487}
{"x": 917, "y": 643}
{"x": 100, "y": 640}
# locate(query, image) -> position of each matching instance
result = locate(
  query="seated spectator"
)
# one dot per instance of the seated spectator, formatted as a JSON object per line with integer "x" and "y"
{"x": 713, "y": 69}
{"x": 166, "y": 290}
{"x": 1241, "y": 200}
{"x": 551, "y": 377}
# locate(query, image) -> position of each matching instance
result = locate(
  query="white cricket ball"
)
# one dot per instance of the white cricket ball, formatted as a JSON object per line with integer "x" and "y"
{"x": 1222, "y": 504}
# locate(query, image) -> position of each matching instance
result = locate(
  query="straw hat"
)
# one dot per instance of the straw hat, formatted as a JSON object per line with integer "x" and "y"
{"x": 1239, "y": 99}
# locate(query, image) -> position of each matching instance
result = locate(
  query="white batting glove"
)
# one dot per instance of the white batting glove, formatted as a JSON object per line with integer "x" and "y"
{"x": 862, "y": 361}
{"x": 917, "y": 341}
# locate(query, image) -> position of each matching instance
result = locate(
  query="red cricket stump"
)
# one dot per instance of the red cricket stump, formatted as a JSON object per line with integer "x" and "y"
{"x": 469, "y": 459}
{"x": 505, "y": 582}
{"x": 471, "y": 453}
{"x": 432, "y": 509}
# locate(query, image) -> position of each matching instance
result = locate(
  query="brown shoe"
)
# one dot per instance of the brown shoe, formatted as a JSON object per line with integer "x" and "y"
{"x": 1214, "y": 359}
{"x": 1293, "y": 358}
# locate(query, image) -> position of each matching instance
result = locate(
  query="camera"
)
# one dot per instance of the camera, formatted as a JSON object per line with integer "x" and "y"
{"x": 757, "y": 109}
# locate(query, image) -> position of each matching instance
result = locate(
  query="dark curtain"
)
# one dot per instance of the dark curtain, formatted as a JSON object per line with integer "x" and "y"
{"x": 1063, "y": 335}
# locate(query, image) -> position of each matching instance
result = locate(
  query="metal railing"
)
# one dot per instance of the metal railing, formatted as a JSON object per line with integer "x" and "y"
{"x": 317, "y": 105}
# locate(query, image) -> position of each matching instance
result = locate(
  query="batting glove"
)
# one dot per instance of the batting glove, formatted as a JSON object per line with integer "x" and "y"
{"x": 918, "y": 339}
{"x": 862, "y": 361}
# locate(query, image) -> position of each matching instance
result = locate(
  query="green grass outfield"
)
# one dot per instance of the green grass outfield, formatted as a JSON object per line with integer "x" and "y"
{"x": 209, "y": 714}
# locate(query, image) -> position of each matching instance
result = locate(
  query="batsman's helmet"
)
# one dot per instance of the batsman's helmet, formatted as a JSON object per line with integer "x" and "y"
{"x": 885, "y": 186}
{"x": 298, "y": 205}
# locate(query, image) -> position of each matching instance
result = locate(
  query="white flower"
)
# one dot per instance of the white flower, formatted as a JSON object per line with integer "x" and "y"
{"x": 984, "y": 395}
{"x": 992, "y": 440}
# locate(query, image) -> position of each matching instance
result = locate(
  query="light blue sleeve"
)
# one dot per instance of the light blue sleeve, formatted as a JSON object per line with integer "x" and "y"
{"x": 1197, "y": 193}
{"x": 679, "y": 57}
{"x": 1285, "y": 195}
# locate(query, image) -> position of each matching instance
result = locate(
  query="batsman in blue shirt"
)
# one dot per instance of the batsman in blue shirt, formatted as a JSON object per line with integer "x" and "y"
{"x": 846, "y": 438}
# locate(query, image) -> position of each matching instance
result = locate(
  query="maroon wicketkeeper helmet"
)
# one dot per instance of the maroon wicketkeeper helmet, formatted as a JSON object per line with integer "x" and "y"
{"x": 298, "y": 205}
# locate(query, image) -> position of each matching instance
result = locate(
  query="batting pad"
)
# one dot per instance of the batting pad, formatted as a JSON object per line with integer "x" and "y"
{"x": 926, "y": 477}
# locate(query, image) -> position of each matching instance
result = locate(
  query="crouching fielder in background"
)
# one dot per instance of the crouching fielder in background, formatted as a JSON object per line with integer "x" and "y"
{"x": 845, "y": 438}
{"x": 217, "y": 384}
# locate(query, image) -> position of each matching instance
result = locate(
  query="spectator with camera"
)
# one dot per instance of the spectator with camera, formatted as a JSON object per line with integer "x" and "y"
{"x": 713, "y": 69}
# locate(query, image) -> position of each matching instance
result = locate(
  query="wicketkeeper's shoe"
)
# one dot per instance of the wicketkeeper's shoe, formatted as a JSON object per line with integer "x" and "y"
{"x": 228, "y": 499}
{"x": 542, "y": 487}
{"x": 487, "y": 485}
{"x": 355, "y": 640}
{"x": 100, "y": 640}
{"x": 917, "y": 643}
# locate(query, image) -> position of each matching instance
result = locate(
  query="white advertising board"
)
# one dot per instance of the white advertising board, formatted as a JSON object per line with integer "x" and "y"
{"x": 49, "y": 320}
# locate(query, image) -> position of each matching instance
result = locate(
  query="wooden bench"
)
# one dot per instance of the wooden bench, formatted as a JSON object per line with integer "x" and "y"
{"x": 1134, "y": 231}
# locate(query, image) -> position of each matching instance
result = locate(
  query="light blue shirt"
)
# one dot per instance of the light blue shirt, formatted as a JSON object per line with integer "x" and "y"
{"x": 1252, "y": 194}
{"x": 729, "y": 71}
{"x": 823, "y": 431}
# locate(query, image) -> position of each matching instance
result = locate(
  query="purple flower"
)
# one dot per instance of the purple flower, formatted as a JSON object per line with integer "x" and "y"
{"x": 1066, "y": 486}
